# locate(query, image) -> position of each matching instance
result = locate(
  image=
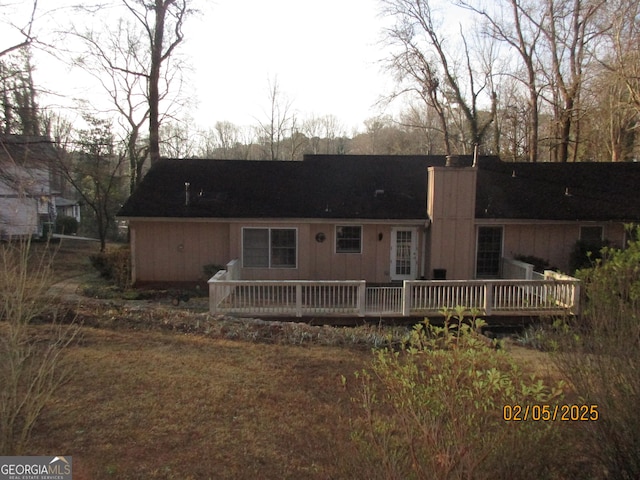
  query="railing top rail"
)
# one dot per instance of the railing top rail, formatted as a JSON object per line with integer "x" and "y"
{"x": 290, "y": 282}
{"x": 445, "y": 283}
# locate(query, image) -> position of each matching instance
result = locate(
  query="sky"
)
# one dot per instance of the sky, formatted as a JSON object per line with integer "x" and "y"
{"x": 324, "y": 55}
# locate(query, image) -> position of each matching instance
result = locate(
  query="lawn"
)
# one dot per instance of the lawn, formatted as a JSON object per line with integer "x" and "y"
{"x": 152, "y": 396}
{"x": 164, "y": 405}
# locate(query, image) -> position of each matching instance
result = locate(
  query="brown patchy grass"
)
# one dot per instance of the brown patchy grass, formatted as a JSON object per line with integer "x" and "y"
{"x": 150, "y": 403}
{"x": 69, "y": 257}
{"x": 161, "y": 405}
{"x": 154, "y": 405}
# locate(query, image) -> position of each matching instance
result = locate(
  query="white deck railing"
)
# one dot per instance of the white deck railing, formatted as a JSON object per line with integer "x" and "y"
{"x": 415, "y": 297}
{"x": 287, "y": 298}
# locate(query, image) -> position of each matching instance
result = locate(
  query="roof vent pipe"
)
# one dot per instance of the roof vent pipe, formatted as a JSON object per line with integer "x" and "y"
{"x": 454, "y": 161}
{"x": 186, "y": 193}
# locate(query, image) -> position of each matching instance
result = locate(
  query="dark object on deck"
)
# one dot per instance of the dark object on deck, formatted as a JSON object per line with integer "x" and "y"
{"x": 439, "y": 273}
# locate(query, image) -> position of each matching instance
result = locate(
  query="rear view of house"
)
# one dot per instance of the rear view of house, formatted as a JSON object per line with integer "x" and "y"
{"x": 381, "y": 219}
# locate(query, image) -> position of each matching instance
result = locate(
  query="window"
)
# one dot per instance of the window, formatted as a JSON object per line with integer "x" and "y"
{"x": 489, "y": 251}
{"x": 591, "y": 235}
{"x": 348, "y": 239}
{"x": 269, "y": 247}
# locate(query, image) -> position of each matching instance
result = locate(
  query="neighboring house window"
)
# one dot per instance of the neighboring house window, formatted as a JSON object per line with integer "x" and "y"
{"x": 269, "y": 247}
{"x": 591, "y": 235}
{"x": 489, "y": 251}
{"x": 348, "y": 239}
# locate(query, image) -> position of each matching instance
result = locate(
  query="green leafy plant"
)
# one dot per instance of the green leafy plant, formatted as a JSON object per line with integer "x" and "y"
{"x": 66, "y": 225}
{"x": 434, "y": 409}
{"x": 600, "y": 355}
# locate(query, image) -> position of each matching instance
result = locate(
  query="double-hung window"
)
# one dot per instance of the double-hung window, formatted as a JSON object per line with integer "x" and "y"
{"x": 348, "y": 239}
{"x": 269, "y": 247}
{"x": 489, "y": 252}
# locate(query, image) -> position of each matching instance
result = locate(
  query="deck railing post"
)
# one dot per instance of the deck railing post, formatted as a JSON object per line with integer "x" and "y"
{"x": 298, "y": 299}
{"x": 213, "y": 299}
{"x": 488, "y": 298}
{"x": 406, "y": 298}
{"x": 577, "y": 298}
{"x": 362, "y": 298}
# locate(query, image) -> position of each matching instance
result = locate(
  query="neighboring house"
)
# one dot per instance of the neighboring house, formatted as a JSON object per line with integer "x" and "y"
{"x": 27, "y": 202}
{"x": 67, "y": 208}
{"x": 375, "y": 218}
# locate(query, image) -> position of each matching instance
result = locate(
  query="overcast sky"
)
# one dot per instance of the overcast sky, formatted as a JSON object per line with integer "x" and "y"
{"x": 324, "y": 54}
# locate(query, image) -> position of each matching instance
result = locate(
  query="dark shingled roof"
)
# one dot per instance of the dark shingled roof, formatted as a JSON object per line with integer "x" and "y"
{"x": 26, "y": 149}
{"x": 321, "y": 186}
{"x": 381, "y": 187}
{"x": 559, "y": 191}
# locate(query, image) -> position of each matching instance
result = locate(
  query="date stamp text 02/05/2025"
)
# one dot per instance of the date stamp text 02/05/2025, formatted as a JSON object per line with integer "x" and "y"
{"x": 550, "y": 413}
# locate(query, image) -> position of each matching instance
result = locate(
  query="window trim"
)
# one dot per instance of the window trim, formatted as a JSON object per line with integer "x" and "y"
{"x": 352, "y": 252}
{"x": 270, "y": 248}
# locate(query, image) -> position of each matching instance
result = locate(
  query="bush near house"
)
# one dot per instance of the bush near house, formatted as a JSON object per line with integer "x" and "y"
{"x": 66, "y": 225}
{"x": 585, "y": 254}
{"x": 600, "y": 355}
{"x": 434, "y": 410}
{"x": 114, "y": 265}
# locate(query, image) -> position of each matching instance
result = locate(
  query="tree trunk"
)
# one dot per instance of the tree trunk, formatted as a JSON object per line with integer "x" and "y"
{"x": 154, "y": 80}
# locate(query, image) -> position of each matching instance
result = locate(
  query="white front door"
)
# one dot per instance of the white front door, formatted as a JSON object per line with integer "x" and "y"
{"x": 404, "y": 254}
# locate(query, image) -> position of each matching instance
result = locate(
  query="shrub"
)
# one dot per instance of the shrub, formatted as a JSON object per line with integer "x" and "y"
{"x": 584, "y": 254}
{"x": 66, "y": 225}
{"x": 32, "y": 363}
{"x": 114, "y": 265}
{"x": 434, "y": 409}
{"x": 600, "y": 355}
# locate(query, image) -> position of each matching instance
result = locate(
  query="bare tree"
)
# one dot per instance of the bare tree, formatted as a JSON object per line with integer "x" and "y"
{"x": 227, "y": 135}
{"x": 95, "y": 170}
{"x": 25, "y": 31}
{"x": 521, "y": 31}
{"x": 622, "y": 65}
{"x": 425, "y": 60}
{"x": 278, "y": 122}
{"x": 569, "y": 27}
{"x": 117, "y": 59}
{"x": 179, "y": 140}
{"x": 162, "y": 21}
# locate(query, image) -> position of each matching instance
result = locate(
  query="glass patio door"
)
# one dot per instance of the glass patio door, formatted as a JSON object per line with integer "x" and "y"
{"x": 404, "y": 254}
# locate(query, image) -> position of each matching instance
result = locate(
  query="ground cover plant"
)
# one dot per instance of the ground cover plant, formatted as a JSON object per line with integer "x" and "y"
{"x": 434, "y": 410}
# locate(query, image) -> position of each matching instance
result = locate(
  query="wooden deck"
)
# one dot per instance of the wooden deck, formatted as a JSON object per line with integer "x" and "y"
{"x": 553, "y": 295}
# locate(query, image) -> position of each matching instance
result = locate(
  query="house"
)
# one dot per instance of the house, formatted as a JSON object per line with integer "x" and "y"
{"x": 67, "y": 208}
{"x": 27, "y": 203}
{"x": 381, "y": 219}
